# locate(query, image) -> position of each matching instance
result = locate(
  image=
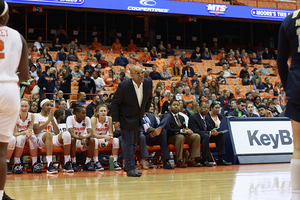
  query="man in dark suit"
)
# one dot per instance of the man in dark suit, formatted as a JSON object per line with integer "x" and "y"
{"x": 131, "y": 100}
{"x": 150, "y": 123}
{"x": 178, "y": 134}
{"x": 204, "y": 124}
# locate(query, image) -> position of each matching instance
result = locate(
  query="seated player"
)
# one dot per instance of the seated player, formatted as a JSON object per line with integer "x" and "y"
{"x": 76, "y": 126}
{"x": 45, "y": 126}
{"x": 102, "y": 130}
{"x": 25, "y": 137}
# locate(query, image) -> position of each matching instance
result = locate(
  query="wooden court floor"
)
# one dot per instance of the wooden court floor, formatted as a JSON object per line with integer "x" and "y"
{"x": 257, "y": 182}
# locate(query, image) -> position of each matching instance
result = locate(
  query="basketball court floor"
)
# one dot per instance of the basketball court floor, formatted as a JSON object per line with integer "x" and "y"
{"x": 239, "y": 182}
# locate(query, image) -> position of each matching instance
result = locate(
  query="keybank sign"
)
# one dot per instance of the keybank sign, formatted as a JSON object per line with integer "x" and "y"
{"x": 262, "y": 137}
{"x": 147, "y": 7}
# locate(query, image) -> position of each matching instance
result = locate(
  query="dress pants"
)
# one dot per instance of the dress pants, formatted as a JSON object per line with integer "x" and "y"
{"x": 160, "y": 140}
{"x": 179, "y": 140}
{"x": 219, "y": 140}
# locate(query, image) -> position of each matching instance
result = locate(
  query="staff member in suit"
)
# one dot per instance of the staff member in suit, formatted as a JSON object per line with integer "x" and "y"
{"x": 178, "y": 134}
{"x": 206, "y": 125}
{"x": 131, "y": 100}
{"x": 156, "y": 134}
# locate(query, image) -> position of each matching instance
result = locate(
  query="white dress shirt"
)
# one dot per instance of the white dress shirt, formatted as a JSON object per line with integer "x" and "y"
{"x": 139, "y": 92}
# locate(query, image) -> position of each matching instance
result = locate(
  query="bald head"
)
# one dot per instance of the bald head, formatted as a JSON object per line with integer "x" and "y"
{"x": 134, "y": 69}
{"x": 137, "y": 74}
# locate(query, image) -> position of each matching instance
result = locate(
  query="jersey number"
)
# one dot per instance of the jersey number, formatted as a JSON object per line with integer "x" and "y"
{"x": 298, "y": 33}
{"x": 47, "y": 128}
{"x": 77, "y": 133}
{"x": 2, "y": 55}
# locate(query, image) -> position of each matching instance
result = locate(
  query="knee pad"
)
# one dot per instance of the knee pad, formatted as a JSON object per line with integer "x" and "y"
{"x": 33, "y": 142}
{"x": 12, "y": 143}
{"x": 21, "y": 139}
{"x": 66, "y": 136}
{"x": 116, "y": 143}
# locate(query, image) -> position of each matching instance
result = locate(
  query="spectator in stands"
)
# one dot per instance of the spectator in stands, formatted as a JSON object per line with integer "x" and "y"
{"x": 92, "y": 106}
{"x": 165, "y": 75}
{"x": 103, "y": 62}
{"x": 239, "y": 58}
{"x": 174, "y": 60}
{"x": 35, "y": 63}
{"x": 209, "y": 75}
{"x": 250, "y": 110}
{"x": 205, "y": 86}
{"x": 185, "y": 81}
{"x": 188, "y": 70}
{"x": 179, "y": 93}
{"x": 244, "y": 71}
{"x": 187, "y": 98}
{"x": 273, "y": 109}
{"x": 176, "y": 131}
{"x": 275, "y": 55}
{"x": 154, "y": 75}
{"x": 96, "y": 44}
{"x": 94, "y": 62}
{"x": 264, "y": 71}
{"x": 240, "y": 110}
{"x": 255, "y": 59}
{"x": 231, "y": 106}
{"x": 215, "y": 49}
{"x": 223, "y": 60}
{"x": 166, "y": 104}
{"x": 78, "y": 45}
{"x": 162, "y": 51}
{"x": 99, "y": 83}
{"x": 61, "y": 56}
{"x": 193, "y": 109}
{"x": 146, "y": 57}
{"x": 81, "y": 99}
{"x": 206, "y": 54}
{"x": 213, "y": 88}
{"x": 157, "y": 107}
{"x": 153, "y": 53}
{"x": 238, "y": 93}
{"x": 86, "y": 84}
{"x": 77, "y": 72}
{"x": 73, "y": 46}
{"x": 117, "y": 47}
{"x": 263, "y": 112}
{"x": 39, "y": 43}
{"x": 224, "y": 99}
{"x": 184, "y": 58}
{"x": 121, "y": 60}
{"x": 177, "y": 51}
{"x": 42, "y": 59}
{"x": 196, "y": 87}
{"x": 88, "y": 66}
{"x": 111, "y": 80}
{"x": 97, "y": 54}
{"x": 195, "y": 79}
{"x": 266, "y": 54}
{"x": 56, "y": 46}
{"x": 47, "y": 56}
{"x": 72, "y": 56}
{"x": 246, "y": 59}
{"x": 246, "y": 80}
{"x": 33, "y": 72}
{"x": 196, "y": 55}
{"x": 231, "y": 60}
{"x": 221, "y": 54}
{"x": 67, "y": 112}
{"x": 169, "y": 50}
{"x": 65, "y": 81}
{"x": 221, "y": 78}
{"x": 35, "y": 52}
{"x": 175, "y": 71}
{"x": 160, "y": 62}
{"x": 131, "y": 46}
{"x": 46, "y": 83}
{"x": 267, "y": 85}
{"x": 256, "y": 76}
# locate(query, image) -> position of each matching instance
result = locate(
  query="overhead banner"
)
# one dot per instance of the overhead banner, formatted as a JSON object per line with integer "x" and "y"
{"x": 172, "y": 7}
{"x": 262, "y": 137}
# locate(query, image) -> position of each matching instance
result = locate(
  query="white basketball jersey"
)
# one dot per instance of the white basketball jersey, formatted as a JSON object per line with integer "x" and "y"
{"x": 10, "y": 54}
{"x": 40, "y": 119}
{"x": 23, "y": 125}
{"x": 101, "y": 129}
{"x": 79, "y": 128}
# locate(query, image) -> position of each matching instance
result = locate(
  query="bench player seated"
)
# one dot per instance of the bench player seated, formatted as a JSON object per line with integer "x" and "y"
{"x": 76, "y": 126}
{"x": 45, "y": 126}
{"x": 102, "y": 130}
{"x": 24, "y": 136}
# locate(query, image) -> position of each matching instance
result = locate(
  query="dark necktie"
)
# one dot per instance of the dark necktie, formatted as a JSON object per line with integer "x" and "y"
{"x": 178, "y": 121}
{"x": 204, "y": 124}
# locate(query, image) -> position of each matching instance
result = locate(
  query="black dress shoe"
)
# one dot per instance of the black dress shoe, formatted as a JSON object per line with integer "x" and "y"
{"x": 224, "y": 163}
{"x": 207, "y": 164}
{"x": 132, "y": 173}
{"x": 167, "y": 165}
{"x": 138, "y": 172}
{"x": 5, "y": 197}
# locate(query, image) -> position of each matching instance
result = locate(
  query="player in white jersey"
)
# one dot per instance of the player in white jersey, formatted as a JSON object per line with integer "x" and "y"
{"x": 102, "y": 129}
{"x": 24, "y": 136}
{"x": 13, "y": 57}
{"x": 45, "y": 126}
{"x": 77, "y": 125}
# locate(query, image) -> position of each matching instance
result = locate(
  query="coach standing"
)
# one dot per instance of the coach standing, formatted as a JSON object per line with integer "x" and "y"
{"x": 129, "y": 104}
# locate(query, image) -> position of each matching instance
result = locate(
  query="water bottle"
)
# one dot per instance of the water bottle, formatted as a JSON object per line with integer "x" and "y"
{"x": 111, "y": 162}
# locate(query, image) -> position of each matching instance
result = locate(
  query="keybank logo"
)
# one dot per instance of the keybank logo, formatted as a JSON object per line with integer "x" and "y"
{"x": 148, "y": 2}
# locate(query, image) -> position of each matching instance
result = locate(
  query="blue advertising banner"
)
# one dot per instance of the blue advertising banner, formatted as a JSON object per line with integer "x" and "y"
{"x": 172, "y": 7}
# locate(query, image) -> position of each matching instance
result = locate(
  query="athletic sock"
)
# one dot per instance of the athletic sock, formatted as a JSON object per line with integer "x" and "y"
{"x": 95, "y": 159}
{"x": 67, "y": 158}
{"x": 1, "y": 194}
{"x": 49, "y": 159}
{"x": 74, "y": 160}
{"x": 7, "y": 160}
{"x": 87, "y": 160}
{"x": 34, "y": 160}
{"x": 295, "y": 174}
{"x": 115, "y": 157}
{"x": 17, "y": 161}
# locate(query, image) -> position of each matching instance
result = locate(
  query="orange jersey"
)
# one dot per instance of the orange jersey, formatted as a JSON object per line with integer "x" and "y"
{"x": 246, "y": 60}
{"x": 145, "y": 58}
{"x": 177, "y": 60}
{"x": 116, "y": 47}
{"x": 188, "y": 97}
{"x": 160, "y": 63}
{"x": 111, "y": 81}
{"x": 132, "y": 47}
{"x": 96, "y": 45}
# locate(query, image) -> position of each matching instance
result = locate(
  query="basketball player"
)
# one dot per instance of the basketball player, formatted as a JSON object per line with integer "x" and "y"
{"x": 13, "y": 57}
{"x": 45, "y": 126}
{"x": 25, "y": 137}
{"x": 76, "y": 125}
{"x": 289, "y": 39}
{"x": 102, "y": 129}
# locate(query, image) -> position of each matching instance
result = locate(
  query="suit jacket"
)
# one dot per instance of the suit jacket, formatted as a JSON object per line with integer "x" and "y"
{"x": 171, "y": 125}
{"x": 211, "y": 121}
{"x": 125, "y": 107}
{"x": 196, "y": 124}
{"x": 153, "y": 123}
